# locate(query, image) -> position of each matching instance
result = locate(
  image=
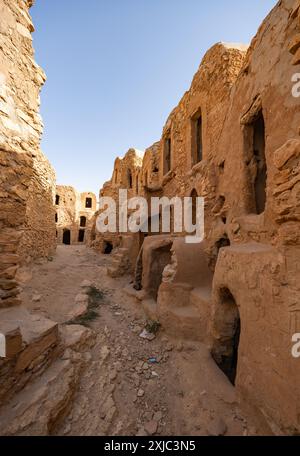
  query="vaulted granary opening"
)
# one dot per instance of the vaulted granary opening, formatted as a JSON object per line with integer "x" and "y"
{"x": 161, "y": 257}
{"x": 67, "y": 237}
{"x": 167, "y": 154}
{"x": 197, "y": 141}
{"x": 88, "y": 203}
{"x": 57, "y": 199}
{"x": 227, "y": 328}
{"x": 107, "y": 248}
{"x": 81, "y": 235}
{"x": 256, "y": 161}
{"x": 56, "y": 218}
{"x": 83, "y": 221}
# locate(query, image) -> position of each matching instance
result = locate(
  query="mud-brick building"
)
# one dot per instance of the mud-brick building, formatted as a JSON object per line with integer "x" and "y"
{"x": 234, "y": 139}
{"x": 74, "y": 214}
{"x": 126, "y": 176}
{"x": 27, "y": 180}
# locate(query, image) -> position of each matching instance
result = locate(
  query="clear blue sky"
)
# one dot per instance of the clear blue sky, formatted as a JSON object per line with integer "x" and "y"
{"x": 116, "y": 68}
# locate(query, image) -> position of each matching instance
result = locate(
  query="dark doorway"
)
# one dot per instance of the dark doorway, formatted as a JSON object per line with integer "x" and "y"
{"x": 56, "y": 218}
{"x": 107, "y": 248}
{"x": 57, "y": 198}
{"x": 227, "y": 329}
{"x": 260, "y": 158}
{"x": 81, "y": 234}
{"x": 67, "y": 237}
{"x": 83, "y": 221}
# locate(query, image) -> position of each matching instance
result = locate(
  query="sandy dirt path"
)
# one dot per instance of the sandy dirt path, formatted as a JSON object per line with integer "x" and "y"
{"x": 133, "y": 386}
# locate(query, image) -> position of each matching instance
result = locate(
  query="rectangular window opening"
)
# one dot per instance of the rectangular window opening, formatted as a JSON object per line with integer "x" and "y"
{"x": 167, "y": 155}
{"x": 197, "y": 138}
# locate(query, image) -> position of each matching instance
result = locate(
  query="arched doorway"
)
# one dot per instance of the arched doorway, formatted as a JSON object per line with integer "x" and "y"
{"x": 67, "y": 237}
{"x": 226, "y": 330}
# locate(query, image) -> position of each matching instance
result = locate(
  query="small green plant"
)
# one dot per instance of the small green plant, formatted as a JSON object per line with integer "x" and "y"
{"x": 85, "y": 319}
{"x": 96, "y": 297}
{"x": 153, "y": 326}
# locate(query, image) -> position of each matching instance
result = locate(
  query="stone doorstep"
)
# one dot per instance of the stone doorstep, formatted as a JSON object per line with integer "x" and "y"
{"x": 30, "y": 335}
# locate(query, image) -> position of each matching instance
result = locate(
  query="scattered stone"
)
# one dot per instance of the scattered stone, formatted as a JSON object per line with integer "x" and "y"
{"x": 169, "y": 346}
{"x": 154, "y": 374}
{"x": 79, "y": 310}
{"x": 118, "y": 366}
{"x": 179, "y": 346}
{"x": 81, "y": 298}
{"x": 140, "y": 393}
{"x": 141, "y": 432}
{"x": 146, "y": 335}
{"x": 86, "y": 284}
{"x": 151, "y": 427}
{"x": 217, "y": 428}
{"x": 113, "y": 374}
{"x": 36, "y": 298}
{"x": 157, "y": 416}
